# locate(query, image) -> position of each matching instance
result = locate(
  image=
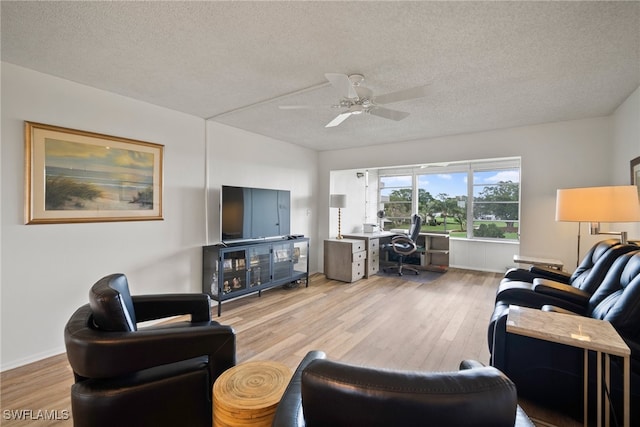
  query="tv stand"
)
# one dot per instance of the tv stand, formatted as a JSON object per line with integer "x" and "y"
{"x": 231, "y": 270}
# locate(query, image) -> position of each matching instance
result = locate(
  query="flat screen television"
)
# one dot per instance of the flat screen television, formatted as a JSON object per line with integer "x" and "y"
{"x": 254, "y": 213}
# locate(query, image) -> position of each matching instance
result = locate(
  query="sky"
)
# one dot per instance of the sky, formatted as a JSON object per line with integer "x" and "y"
{"x": 453, "y": 184}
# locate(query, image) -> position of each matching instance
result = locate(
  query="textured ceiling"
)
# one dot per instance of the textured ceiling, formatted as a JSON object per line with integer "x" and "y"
{"x": 489, "y": 64}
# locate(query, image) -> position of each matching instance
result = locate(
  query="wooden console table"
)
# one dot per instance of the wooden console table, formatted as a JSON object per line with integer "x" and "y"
{"x": 581, "y": 332}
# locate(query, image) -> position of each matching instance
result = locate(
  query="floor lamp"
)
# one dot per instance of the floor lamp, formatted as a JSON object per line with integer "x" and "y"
{"x": 598, "y": 204}
{"x": 338, "y": 201}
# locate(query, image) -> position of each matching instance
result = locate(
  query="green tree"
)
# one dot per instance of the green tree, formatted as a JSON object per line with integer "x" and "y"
{"x": 503, "y": 191}
{"x": 448, "y": 207}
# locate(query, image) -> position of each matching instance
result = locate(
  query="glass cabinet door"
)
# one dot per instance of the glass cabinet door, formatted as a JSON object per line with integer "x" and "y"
{"x": 234, "y": 266}
{"x": 282, "y": 257}
{"x": 300, "y": 254}
{"x": 259, "y": 265}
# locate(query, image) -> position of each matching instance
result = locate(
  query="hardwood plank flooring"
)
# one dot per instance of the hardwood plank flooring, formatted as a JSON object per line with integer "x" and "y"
{"x": 380, "y": 321}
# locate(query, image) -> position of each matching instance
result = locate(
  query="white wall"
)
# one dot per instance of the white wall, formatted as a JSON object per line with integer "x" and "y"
{"x": 47, "y": 270}
{"x": 241, "y": 158}
{"x": 555, "y": 155}
{"x": 626, "y": 146}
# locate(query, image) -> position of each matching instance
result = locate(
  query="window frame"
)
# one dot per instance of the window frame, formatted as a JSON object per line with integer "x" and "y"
{"x": 470, "y": 168}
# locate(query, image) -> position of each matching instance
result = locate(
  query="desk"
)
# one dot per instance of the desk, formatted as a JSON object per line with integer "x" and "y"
{"x": 248, "y": 394}
{"x": 372, "y": 246}
{"x": 581, "y": 332}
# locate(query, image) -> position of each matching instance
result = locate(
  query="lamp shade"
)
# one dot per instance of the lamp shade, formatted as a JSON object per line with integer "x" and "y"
{"x": 598, "y": 204}
{"x": 338, "y": 201}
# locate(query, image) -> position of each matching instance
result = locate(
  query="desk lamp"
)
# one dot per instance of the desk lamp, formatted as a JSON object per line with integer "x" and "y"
{"x": 338, "y": 201}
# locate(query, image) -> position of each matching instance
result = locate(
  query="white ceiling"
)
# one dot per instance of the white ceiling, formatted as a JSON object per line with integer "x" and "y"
{"x": 489, "y": 64}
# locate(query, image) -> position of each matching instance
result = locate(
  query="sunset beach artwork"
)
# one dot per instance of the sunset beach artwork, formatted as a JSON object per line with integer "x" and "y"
{"x": 83, "y": 176}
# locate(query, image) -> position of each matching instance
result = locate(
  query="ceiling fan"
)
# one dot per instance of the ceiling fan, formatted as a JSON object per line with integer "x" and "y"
{"x": 357, "y": 99}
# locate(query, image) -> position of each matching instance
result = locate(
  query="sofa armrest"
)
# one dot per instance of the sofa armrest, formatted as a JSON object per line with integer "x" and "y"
{"x": 289, "y": 410}
{"x": 522, "y": 275}
{"x": 555, "y": 309}
{"x": 562, "y": 291}
{"x": 550, "y": 273}
{"x": 152, "y": 307}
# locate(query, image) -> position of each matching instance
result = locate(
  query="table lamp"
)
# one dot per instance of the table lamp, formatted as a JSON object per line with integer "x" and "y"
{"x": 598, "y": 204}
{"x": 338, "y": 201}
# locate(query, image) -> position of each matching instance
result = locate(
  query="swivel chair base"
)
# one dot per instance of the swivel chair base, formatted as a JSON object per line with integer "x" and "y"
{"x": 401, "y": 267}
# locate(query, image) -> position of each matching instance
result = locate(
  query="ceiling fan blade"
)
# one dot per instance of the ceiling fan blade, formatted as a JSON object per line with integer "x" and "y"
{"x": 402, "y": 95}
{"x": 343, "y": 84}
{"x": 339, "y": 119}
{"x": 388, "y": 114}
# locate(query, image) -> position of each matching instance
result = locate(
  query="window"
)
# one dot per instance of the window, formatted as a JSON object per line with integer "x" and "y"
{"x": 496, "y": 203}
{"x": 443, "y": 200}
{"x": 475, "y": 199}
{"x": 396, "y": 196}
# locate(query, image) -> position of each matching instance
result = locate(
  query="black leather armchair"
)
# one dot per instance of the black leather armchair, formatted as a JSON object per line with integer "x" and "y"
{"x": 153, "y": 376}
{"x": 552, "y": 374}
{"x": 405, "y": 244}
{"x": 326, "y": 393}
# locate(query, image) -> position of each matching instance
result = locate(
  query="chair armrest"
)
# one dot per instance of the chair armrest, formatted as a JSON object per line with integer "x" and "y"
{"x": 289, "y": 411}
{"x": 403, "y": 245}
{"x": 152, "y": 307}
{"x": 339, "y": 394}
{"x": 100, "y": 354}
{"x": 562, "y": 291}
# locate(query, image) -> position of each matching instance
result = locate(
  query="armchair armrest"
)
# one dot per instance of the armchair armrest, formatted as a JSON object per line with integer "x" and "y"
{"x": 110, "y": 354}
{"x": 562, "y": 291}
{"x": 289, "y": 410}
{"x": 152, "y": 307}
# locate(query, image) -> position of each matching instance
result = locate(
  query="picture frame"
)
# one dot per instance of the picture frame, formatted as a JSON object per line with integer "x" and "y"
{"x": 635, "y": 173}
{"x": 75, "y": 176}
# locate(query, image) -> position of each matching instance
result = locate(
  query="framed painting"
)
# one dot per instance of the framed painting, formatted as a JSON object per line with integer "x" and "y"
{"x": 635, "y": 173}
{"x": 78, "y": 176}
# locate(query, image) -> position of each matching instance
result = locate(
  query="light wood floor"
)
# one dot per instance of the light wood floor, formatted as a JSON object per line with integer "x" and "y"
{"x": 380, "y": 321}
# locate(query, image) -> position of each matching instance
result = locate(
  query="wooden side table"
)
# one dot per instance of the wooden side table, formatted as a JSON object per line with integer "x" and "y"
{"x": 248, "y": 394}
{"x": 581, "y": 332}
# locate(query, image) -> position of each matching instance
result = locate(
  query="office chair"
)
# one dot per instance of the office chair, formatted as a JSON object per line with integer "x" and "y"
{"x": 404, "y": 245}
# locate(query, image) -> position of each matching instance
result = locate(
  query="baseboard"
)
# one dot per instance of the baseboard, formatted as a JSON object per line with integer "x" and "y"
{"x": 31, "y": 359}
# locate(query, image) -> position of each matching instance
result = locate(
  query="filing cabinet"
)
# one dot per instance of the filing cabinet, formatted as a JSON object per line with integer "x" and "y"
{"x": 345, "y": 259}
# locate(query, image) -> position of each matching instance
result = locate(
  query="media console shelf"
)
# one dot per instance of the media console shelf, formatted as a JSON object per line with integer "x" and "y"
{"x": 230, "y": 271}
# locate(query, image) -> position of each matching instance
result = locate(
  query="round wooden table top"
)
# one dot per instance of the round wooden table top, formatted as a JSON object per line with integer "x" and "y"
{"x": 248, "y": 394}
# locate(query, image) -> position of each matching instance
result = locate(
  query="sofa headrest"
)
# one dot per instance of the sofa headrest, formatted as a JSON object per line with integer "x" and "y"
{"x": 112, "y": 305}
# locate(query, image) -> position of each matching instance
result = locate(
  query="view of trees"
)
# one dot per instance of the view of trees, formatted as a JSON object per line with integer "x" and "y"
{"x": 495, "y": 209}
